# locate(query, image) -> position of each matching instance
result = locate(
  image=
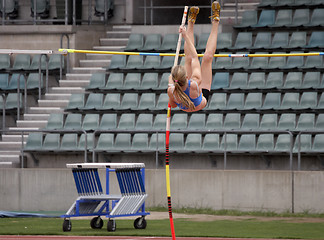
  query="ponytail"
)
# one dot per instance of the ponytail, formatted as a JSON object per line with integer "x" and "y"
{"x": 179, "y": 77}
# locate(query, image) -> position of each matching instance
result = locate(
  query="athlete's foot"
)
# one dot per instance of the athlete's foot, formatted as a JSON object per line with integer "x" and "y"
{"x": 193, "y": 12}
{"x": 216, "y": 11}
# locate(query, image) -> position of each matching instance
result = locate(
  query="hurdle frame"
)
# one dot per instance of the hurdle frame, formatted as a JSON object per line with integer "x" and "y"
{"x": 91, "y": 194}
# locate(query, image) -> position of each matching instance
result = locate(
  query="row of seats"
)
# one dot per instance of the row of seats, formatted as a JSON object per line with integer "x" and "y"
{"x": 284, "y": 18}
{"x": 182, "y": 121}
{"x": 221, "y": 80}
{"x": 276, "y": 101}
{"x": 28, "y": 62}
{"x": 135, "y": 63}
{"x": 244, "y": 40}
{"x": 10, "y": 82}
{"x": 290, "y": 3}
{"x": 280, "y": 40}
{"x": 268, "y": 82}
{"x": 179, "y": 143}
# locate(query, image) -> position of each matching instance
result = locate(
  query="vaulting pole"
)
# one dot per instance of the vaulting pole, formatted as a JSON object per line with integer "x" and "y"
{"x": 167, "y": 134}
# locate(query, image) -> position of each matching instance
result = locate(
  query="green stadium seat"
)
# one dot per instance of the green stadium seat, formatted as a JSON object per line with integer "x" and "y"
{"x": 214, "y": 121}
{"x": 287, "y": 121}
{"x": 251, "y": 121}
{"x": 317, "y": 18}
{"x": 247, "y": 143}
{"x": 105, "y": 142}
{"x": 272, "y": 101}
{"x": 152, "y": 42}
{"x": 217, "y": 101}
{"x": 304, "y": 144}
{"x": 300, "y": 18}
{"x": 140, "y": 142}
{"x": 54, "y": 62}
{"x": 283, "y": 143}
{"x": 293, "y": 62}
{"x": 162, "y": 102}
{"x": 21, "y": 62}
{"x": 192, "y": 144}
{"x": 201, "y": 45}
{"x": 280, "y": 40}
{"x": 108, "y": 121}
{"x": 179, "y": 121}
{"x": 34, "y": 142}
{"x": 93, "y": 102}
{"x": 239, "y": 81}
{"x": 262, "y": 41}
{"x": 144, "y": 121}
{"x": 55, "y": 121}
{"x": 197, "y": 121}
{"x": 210, "y": 143}
{"x": 127, "y": 121}
{"x": 276, "y": 63}
{"x": 111, "y": 101}
{"x": 12, "y": 101}
{"x": 318, "y": 143}
{"x": 117, "y": 62}
{"x": 306, "y": 121}
{"x": 115, "y": 81}
{"x": 265, "y": 143}
{"x": 269, "y": 121}
{"x": 33, "y": 81}
{"x": 73, "y": 121}
{"x": 240, "y": 63}
{"x": 297, "y": 40}
{"x": 132, "y": 81}
{"x": 122, "y": 142}
{"x": 258, "y": 62}
{"x": 176, "y": 142}
{"x": 69, "y": 142}
{"x": 229, "y": 142}
{"x": 157, "y": 142}
{"x": 35, "y": 62}
{"x": 159, "y": 122}
{"x": 151, "y": 63}
{"x": 13, "y": 84}
{"x": 166, "y": 64}
{"x": 147, "y": 101}
{"x": 249, "y": 18}
{"x": 308, "y": 100}
{"x": 51, "y": 142}
{"x": 253, "y": 101}
{"x": 243, "y": 41}
{"x": 314, "y": 62}
{"x": 232, "y": 121}
{"x": 90, "y": 122}
{"x": 149, "y": 81}
{"x": 266, "y": 19}
{"x": 224, "y": 41}
{"x": 284, "y": 17}
{"x": 163, "y": 85}
{"x": 97, "y": 81}
{"x": 256, "y": 80}
{"x": 134, "y": 62}
{"x": 290, "y": 101}
{"x": 4, "y": 61}
{"x": 135, "y": 42}
{"x": 274, "y": 80}
{"x": 222, "y": 62}
{"x": 311, "y": 80}
{"x": 169, "y": 42}
{"x": 220, "y": 81}
{"x": 129, "y": 101}
{"x": 82, "y": 142}
{"x": 293, "y": 80}
{"x": 4, "y": 80}
{"x": 235, "y": 101}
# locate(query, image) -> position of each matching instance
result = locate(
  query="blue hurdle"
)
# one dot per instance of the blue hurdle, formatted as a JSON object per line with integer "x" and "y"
{"x": 93, "y": 202}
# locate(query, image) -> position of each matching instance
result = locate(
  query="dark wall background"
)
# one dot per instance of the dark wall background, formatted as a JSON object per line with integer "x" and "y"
{"x": 170, "y": 15}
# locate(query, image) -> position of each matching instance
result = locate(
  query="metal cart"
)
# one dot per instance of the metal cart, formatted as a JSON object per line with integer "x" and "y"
{"x": 93, "y": 202}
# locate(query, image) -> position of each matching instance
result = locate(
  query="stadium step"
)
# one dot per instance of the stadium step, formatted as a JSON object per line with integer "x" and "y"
{"x": 113, "y": 41}
{"x": 122, "y": 28}
{"x": 70, "y": 90}
{"x": 57, "y": 96}
{"x": 88, "y": 69}
{"x": 118, "y": 34}
{"x": 42, "y": 110}
{"x": 13, "y": 137}
{"x": 109, "y": 48}
{"x": 53, "y": 103}
{"x": 28, "y": 116}
{"x": 74, "y": 83}
{"x": 94, "y": 63}
{"x": 31, "y": 123}
{"x": 10, "y": 145}
{"x": 94, "y": 56}
{"x": 78, "y": 76}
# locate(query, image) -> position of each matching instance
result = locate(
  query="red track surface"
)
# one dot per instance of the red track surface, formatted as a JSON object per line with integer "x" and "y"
{"x": 26, "y": 237}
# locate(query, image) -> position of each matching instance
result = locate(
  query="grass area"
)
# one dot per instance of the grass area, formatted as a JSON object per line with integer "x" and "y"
{"x": 249, "y": 228}
{"x": 230, "y": 212}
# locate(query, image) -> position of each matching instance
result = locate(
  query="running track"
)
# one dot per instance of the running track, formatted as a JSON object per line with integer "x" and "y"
{"x": 112, "y": 238}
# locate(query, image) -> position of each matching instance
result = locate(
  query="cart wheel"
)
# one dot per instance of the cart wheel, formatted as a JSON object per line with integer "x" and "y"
{"x": 96, "y": 223}
{"x": 140, "y": 223}
{"x": 67, "y": 225}
{"x": 111, "y": 226}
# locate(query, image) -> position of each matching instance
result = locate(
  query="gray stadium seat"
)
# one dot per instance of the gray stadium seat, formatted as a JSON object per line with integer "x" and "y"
{"x": 290, "y": 100}
{"x": 253, "y": 101}
{"x": 176, "y": 142}
{"x": 90, "y": 122}
{"x": 251, "y": 121}
{"x": 132, "y": 81}
{"x": 51, "y": 142}
{"x": 140, "y": 142}
{"x": 21, "y": 62}
{"x": 94, "y": 101}
{"x": 293, "y": 80}
{"x": 284, "y": 17}
{"x": 129, "y": 101}
{"x": 69, "y": 142}
{"x": 217, "y": 101}
{"x": 197, "y": 121}
{"x": 283, "y": 143}
{"x": 239, "y": 81}
{"x": 301, "y": 17}
{"x": 256, "y": 80}
{"x": 229, "y": 142}
{"x": 97, "y": 81}
{"x": 210, "y": 143}
{"x": 306, "y": 121}
{"x": 232, "y": 121}
{"x": 192, "y": 144}
{"x": 55, "y": 121}
{"x": 247, "y": 143}
{"x": 311, "y": 80}
{"x": 214, "y": 121}
{"x": 4, "y": 61}
{"x": 249, "y": 18}
{"x": 272, "y": 101}
{"x": 243, "y": 41}
{"x": 297, "y": 40}
{"x": 115, "y": 81}
{"x": 220, "y": 80}
{"x": 34, "y": 142}
{"x": 262, "y": 40}
{"x": 179, "y": 121}
{"x": 105, "y": 142}
{"x": 122, "y": 142}
{"x": 147, "y": 101}
{"x": 280, "y": 40}
{"x": 287, "y": 121}
{"x": 144, "y": 121}
{"x": 274, "y": 80}
{"x": 149, "y": 81}
{"x": 108, "y": 121}
{"x": 111, "y": 101}
{"x": 266, "y": 18}
{"x": 169, "y": 42}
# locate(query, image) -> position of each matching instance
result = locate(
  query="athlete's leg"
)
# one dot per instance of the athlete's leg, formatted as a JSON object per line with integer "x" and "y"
{"x": 206, "y": 64}
{"x": 193, "y": 12}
